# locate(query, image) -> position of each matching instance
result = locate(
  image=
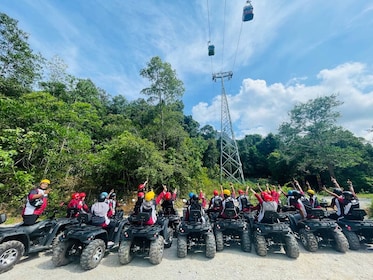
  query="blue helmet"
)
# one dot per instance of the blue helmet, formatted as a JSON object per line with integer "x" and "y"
{"x": 191, "y": 194}
{"x": 102, "y": 196}
{"x": 290, "y": 193}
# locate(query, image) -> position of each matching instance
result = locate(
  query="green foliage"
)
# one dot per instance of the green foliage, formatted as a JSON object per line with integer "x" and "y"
{"x": 19, "y": 66}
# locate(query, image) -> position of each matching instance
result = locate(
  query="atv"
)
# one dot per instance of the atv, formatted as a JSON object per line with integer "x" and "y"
{"x": 21, "y": 240}
{"x": 86, "y": 242}
{"x": 142, "y": 240}
{"x": 233, "y": 229}
{"x": 196, "y": 233}
{"x": 273, "y": 234}
{"x": 357, "y": 229}
{"x": 318, "y": 231}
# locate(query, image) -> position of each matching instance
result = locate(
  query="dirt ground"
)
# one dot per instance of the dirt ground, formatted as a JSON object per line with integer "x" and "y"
{"x": 231, "y": 263}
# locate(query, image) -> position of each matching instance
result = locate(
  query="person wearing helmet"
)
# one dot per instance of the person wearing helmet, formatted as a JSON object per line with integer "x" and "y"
{"x": 168, "y": 203}
{"x": 349, "y": 203}
{"x": 100, "y": 217}
{"x": 337, "y": 199}
{"x": 112, "y": 201}
{"x": 36, "y": 202}
{"x": 142, "y": 187}
{"x": 312, "y": 198}
{"x": 195, "y": 206}
{"x": 140, "y": 199}
{"x": 149, "y": 205}
{"x": 82, "y": 204}
{"x": 228, "y": 203}
{"x": 73, "y": 206}
{"x": 266, "y": 203}
{"x": 215, "y": 205}
{"x": 244, "y": 204}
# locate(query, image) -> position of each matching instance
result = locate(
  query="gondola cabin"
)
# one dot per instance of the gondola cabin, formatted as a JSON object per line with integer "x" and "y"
{"x": 211, "y": 49}
{"x": 248, "y": 12}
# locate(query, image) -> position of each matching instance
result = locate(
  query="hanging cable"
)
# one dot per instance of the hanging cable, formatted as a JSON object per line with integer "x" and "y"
{"x": 222, "y": 59}
{"x": 209, "y": 31}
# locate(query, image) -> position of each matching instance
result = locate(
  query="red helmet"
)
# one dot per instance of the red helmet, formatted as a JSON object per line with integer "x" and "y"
{"x": 75, "y": 196}
{"x": 216, "y": 192}
{"x": 241, "y": 192}
{"x": 141, "y": 187}
{"x": 267, "y": 197}
{"x": 82, "y": 194}
{"x": 140, "y": 194}
{"x": 167, "y": 196}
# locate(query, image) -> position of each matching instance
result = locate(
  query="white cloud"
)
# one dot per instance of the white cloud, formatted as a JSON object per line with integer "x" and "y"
{"x": 261, "y": 108}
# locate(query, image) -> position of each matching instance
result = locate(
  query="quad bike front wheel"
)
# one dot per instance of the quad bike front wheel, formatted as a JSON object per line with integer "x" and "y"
{"x": 92, "y": 254}
{"x": 10, "y": 254}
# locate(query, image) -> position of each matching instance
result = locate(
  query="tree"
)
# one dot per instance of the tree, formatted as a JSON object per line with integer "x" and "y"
{"x": 165, "y": 89}
{"x": 19, "y": 66}
{"x": 312, "y": 139}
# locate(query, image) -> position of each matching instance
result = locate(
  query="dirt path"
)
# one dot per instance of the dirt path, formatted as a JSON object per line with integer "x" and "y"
{"x": 231, "y": 263}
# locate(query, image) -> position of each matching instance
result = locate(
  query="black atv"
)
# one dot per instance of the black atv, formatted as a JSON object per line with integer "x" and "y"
{"x": 196, "y": 233}
{"x": 86, "y": 242}
{"x": 318, "y": 231}
{"x": 232, "y": 229}
{"x": 357, "y": 229}
{"x": 21, "y": 240}
{"x": 273, "y": 234}
{"x": 142, "y": 240}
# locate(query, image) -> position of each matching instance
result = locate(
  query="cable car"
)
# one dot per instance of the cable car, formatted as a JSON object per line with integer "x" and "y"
{"x": 211, "y": 49}
{"x": 248, "y": 12}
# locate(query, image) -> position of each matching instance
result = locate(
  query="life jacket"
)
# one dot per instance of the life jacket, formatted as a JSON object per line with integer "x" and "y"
{"x": 266, "y": 206}
{"x": 217, "y": 202}
{"x": 244, "y": 202}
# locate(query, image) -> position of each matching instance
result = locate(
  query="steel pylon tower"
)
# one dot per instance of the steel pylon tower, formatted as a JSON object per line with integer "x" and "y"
{"x": 230, "y": 163}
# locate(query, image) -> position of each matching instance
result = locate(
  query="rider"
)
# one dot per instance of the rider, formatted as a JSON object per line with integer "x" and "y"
{"x": 312, "y": 198}
{"x": 82, "y": 204}
{"x": 100, "y": 217}
{"x": 37, "y": 201}
{"x": 194, "y": 205}
{"x": 266, "y": 203}
{"x": 73, "y": 206}
{"x": 112, "y": 201}
{"x": 140, "y": 199}
{"x": 228, "y": 203}
{"x": 168, "y": 204}
{"x": 296, "y": 201}
{"x": 215, "y": 204}
{"x": 149, "y": 205}
{"x": 244, "y": 204}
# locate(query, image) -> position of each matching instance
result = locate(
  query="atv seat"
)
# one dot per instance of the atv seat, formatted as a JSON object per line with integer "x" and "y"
{"x": 195, "y": 215}
{"x": 356, "y": 214}
{"x": 270, "y": 217}
{"x": 230, "y": 213}
{"x": 31, "y": 228}
{"x": 317, "y": 213}
{"x": 84, "y": 218}
{"x": 143, "y": 217}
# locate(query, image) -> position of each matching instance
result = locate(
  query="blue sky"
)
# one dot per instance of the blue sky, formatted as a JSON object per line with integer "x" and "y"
{"x": 292, "y": 51}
